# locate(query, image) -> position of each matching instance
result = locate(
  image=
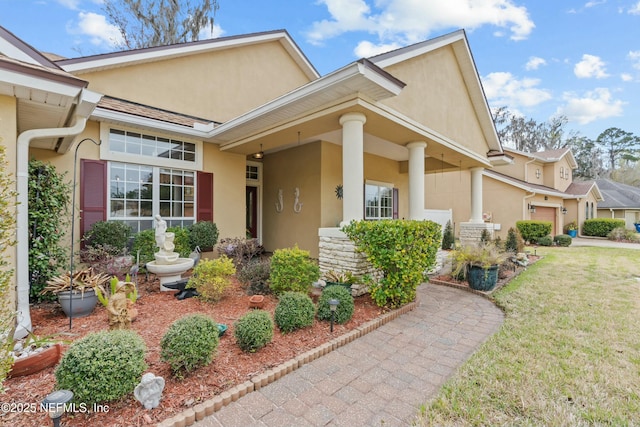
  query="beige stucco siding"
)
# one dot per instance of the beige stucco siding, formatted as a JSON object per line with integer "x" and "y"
{"x": 437, "y": 96}
{"x": 331, "y": 206}
{"x": 216, "y": 85}
{"x": 8, "y": 125}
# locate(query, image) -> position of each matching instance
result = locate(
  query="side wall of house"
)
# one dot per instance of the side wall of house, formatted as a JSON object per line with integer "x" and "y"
{"x": 8, "y": 126}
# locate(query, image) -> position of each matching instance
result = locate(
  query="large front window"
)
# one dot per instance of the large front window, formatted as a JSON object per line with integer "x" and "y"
{"x": 378, "y": 201}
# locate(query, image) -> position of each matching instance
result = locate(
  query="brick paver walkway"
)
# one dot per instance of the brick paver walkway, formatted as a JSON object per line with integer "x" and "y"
{"x": 381, "y": 378}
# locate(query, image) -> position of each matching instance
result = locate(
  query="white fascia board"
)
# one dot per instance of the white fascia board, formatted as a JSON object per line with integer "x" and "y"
{"x": 36, "y": 83}
{"x": 101, "y": 114}
{"x": 404, "y": 54}
{"x": 524, "y": 186}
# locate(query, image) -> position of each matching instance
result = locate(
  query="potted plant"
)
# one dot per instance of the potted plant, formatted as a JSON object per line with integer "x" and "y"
{"x": 571, "y": 229}
{"x": 343, "y": 279}
{"x": 478, "y": 264}
{"x": 637, "y": 226}
{"x": 33, "y": 354}
{"x": 80, "y": 301}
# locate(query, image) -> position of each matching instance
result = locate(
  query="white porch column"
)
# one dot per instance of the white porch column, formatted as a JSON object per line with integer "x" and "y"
{"x": 476, "y": 195}
{"x": 352, "y": 166}
{"x": 416, "y": 179}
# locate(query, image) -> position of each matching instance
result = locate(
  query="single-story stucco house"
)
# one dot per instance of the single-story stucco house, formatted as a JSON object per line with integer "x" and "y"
{"x": 621, "y": 201}
{"x": 536, "y": 186}
{"x": 243, "y": 131}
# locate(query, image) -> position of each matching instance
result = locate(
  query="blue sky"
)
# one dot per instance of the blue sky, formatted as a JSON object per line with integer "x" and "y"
{"x": 539, "y": 58}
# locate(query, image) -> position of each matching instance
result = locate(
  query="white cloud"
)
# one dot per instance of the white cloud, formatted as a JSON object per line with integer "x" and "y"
{"x": 593, "y": 105}
{"x": 211, "y": 32}
{"x": 70, "y": 4}
{"x": 534, "y": 63}
{"x": 367, "y": 49}
{"x": 594, "y": 3}
{"x": 626, "y": 77}
{"x": 635, "y": 9}
{"x": 95, "y": 26}
{"x": 590, "y": 66}
{"x": 503, "y": 89}
{"x": 634, "y": 57}
{"x": 410, "y": 21}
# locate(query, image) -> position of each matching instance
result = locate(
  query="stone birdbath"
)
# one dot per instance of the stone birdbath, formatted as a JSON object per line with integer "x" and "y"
{"x": 168, "y": 265}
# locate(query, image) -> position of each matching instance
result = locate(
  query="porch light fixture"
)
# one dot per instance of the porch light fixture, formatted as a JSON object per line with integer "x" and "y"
{"x": 537, "y": 173}
{"x": 532, "y": 208}
{"x": 259, "y": 154}
{"x": 55, "y": 404}
{"x": 333, "y": 305}
{"x": 564, "y": 210}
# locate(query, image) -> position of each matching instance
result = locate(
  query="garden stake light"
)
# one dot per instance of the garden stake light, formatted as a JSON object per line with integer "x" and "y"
{"x": 56, "y": 403}
{"x": 333, "y": 305}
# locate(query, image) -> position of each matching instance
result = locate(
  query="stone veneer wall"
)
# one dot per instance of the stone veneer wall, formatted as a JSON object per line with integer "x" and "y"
{"x": 470, "y": 232}
{"x": 338, "y": 253}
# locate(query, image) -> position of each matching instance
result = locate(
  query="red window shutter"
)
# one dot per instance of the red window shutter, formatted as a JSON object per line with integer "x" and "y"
{"x": 93, "y": 193}
{"x": 396, "y": 203}
{"x": 205, "y": 196}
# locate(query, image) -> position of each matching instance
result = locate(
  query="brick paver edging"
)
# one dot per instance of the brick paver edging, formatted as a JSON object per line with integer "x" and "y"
{"x": 199, "y": 411}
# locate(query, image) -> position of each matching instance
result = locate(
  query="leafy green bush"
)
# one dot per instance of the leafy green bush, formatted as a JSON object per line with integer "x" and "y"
{"x": 514, "y": 242}
{"x": 254, "y": 330}
{"x": 344, "y": 310}
{"x": 448, "y": 239}
{"x": 189, "y": 343}
{"x": 532, "y": 230}
{"x": 403, "y": 249}
{"x": 292, "y": 270}
{"x": 203, "y": 234}
{"x": 102, "y": 366}
{"x": 49, "y": 200}
{"x": 601, "y": 227}
{"x": 295, "y": 310}
{"x": 255, "y": 276}
{"x": 545, "y": 241}
{"x": 108, "y": 234}
{"x": 563, "y": 240}
{"x": 211, "y": 277}
{"x": 181, "y": 240}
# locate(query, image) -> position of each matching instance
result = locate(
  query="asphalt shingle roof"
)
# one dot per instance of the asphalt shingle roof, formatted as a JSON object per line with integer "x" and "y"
{"x": 617, "y": 195}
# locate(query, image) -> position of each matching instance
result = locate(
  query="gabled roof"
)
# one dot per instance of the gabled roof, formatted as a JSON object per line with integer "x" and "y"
{"x": 618, "y": 195}
{"x": 575, "y": 190}
{"x": 460, "y": 45}
{"x": 123, "y": 58}
{"x": 548, "y": 156}
{"x": 13, "y": 47}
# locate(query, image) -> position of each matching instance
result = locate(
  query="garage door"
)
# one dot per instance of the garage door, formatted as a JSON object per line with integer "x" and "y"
{"x": 546, "y": 214}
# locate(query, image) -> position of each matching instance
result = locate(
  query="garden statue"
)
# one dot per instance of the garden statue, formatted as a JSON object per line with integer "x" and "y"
{"x": 149, "y": 391}
{"x": 120, "y": 306}
{"x": 168, "y": 265}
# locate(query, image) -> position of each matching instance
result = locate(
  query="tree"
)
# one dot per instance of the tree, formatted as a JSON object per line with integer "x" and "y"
{"x": 619, "y": 145}
{"x": 588, "y": 156}
{"x": 147, "y": 23}
{"x": 525, "y": 134}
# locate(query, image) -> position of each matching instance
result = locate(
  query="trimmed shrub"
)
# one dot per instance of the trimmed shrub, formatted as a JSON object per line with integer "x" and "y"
{"x": 345, "y": 309}
{"x": 189, "y": 343}
{"x": 563, "y": 240}
{"x": 211, "y": 277}
{"x": 514, "y": 242}
{"x": 102, "y": 366}
{"x": 621, "y": 233}
{"x": 545, "y": 241}
{"x": 601, "y": 227}
{"x": 292, "y": 270}
{"x": 254, "y": 330}
{"x": 531, "y": 230}
{"x": 403, "y": 249}
{"x": 203, "y": 234}
{"x": 110, "y": 235}
{"x": 448, "y": 239}
{"x": 295, "y": 310}
{"x": 254, "y": 275}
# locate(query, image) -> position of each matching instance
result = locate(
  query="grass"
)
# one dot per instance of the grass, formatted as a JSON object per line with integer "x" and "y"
{"x": 567, "y": 354}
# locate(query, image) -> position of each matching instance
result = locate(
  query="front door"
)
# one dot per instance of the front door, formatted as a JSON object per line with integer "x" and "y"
{"x": 252, "y": 212}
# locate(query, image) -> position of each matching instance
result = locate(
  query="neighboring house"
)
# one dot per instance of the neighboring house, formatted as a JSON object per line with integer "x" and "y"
{"x": 536, "y": 186}
{"x": 621, "y": 201}
{"x": 243, "y": 131}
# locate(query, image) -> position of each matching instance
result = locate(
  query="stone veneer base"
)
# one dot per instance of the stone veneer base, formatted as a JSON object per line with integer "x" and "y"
{"x": 188, "y": 417}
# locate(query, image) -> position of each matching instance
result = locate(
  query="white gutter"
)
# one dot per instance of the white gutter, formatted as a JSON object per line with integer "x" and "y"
{"x": 22, "y": 230}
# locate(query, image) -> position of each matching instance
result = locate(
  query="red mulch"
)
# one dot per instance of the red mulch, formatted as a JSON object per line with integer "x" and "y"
{"x": 157, "y": 310}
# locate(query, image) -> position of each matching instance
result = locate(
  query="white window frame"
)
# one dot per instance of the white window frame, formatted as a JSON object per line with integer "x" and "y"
{"x": 378, "y": 184}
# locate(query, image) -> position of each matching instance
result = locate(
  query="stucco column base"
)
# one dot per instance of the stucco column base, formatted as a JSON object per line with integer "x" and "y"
{"x": 470, "y": 232}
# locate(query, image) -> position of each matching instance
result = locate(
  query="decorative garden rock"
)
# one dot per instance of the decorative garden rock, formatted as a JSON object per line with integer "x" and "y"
{"x": 149, "y": 391}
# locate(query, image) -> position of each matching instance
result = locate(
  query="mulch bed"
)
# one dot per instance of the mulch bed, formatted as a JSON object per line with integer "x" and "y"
{"x": 156, "y": 311}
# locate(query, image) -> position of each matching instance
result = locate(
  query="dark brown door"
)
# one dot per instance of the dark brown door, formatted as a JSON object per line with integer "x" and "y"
{"x": 252, "y": 212}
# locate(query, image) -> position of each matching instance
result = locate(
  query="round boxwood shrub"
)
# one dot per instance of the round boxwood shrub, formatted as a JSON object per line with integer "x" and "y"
{"x": 292, "y": 270}
{"x": 344, "y": 311}
{"x": 545, "y": 241}
{"x": 203, "y": 234}
{"x": 254, "y": 330}
{"x": 102, "y": 366}
{"x": 295, "y": 310}
{"x": 189, "y": 343}
{"x": 114, "y": 234}
{"x": 562, "y": 240}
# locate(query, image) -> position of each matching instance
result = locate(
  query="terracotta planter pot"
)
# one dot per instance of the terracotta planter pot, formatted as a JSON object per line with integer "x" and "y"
{"x": 256, "y": 301}
{"x": 36, "y": 362}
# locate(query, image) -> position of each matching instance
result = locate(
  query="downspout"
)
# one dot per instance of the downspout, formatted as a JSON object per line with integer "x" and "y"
{"x": 22, "y": 222}
{"x": 526, "y": 169}
{"x": 613, "y": 214}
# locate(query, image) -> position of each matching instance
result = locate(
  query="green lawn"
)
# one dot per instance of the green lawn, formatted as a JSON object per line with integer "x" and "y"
{"x": 568, "y": 353}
